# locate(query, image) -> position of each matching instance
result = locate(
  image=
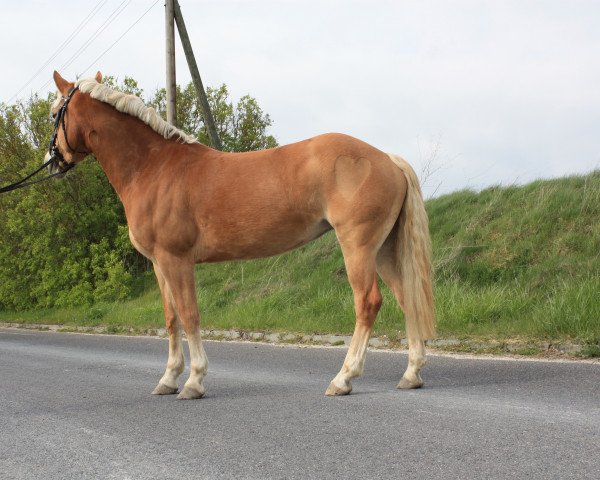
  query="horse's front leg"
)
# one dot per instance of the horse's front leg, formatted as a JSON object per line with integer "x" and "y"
{"x": 178, "y": 274}
{"x": 176, "y": 363}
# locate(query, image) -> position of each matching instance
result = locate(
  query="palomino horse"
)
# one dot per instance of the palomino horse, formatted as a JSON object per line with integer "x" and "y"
{"x": 187, "y": 203}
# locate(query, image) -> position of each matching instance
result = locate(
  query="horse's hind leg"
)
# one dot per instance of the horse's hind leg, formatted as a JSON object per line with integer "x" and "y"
{"x": 360, "y": 265}
{"x": 389, "y": 273}
{"x": 175, "y": 364}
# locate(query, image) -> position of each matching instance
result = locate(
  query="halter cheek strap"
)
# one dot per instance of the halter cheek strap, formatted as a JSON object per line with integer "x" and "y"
{"x": 60, "y": 121}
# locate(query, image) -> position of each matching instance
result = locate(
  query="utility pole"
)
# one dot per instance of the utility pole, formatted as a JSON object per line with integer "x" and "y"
{"x": 189, "y": 55}
{"x": 170, "y": 53}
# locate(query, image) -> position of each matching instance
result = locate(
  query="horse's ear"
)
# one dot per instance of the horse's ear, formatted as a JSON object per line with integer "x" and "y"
{"x": 99, "y": 77}
{"x": 62, "y": 85}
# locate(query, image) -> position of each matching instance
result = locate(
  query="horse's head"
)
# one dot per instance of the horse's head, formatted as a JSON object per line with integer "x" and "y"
{"x": 67, "y": 145}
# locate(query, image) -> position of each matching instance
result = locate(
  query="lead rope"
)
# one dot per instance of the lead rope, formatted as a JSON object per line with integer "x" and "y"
{"x": 24, "y": 183}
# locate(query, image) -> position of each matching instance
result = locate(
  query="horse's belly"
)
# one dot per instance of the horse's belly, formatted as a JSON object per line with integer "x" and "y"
{"x": 257, "y": 241}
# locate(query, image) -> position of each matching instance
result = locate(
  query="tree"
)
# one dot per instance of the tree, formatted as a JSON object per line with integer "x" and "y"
{"x": 242, "y": 127}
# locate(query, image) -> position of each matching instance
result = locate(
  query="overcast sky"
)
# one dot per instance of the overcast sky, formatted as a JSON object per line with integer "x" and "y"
{"x": 501, "y": 91}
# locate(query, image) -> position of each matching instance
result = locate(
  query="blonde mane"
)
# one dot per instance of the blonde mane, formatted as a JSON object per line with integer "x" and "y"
{"x": 134, "y": 106}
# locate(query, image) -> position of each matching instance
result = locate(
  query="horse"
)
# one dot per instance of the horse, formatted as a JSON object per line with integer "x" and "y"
{"x": 186, "y": 203}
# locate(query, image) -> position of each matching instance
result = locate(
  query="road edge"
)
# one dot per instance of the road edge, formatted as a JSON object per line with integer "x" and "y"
{"x": 511, "y": 349}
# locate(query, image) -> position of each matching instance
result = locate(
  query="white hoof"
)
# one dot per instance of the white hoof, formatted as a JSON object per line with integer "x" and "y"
{"x": 189, "y": 393}
{"x": 335, "y": 390}
{"x": 406, "y": 383}
{"x": 162, "y": 389}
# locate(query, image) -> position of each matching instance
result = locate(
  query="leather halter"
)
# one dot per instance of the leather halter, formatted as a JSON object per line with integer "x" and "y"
{"x": 59, "y": 120}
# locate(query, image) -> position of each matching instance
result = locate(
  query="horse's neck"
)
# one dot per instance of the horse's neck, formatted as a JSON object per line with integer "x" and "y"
{"x": 122, "y": 145}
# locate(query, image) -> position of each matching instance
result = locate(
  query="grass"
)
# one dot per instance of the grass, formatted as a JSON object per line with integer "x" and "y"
{"x": 510, "y": 262}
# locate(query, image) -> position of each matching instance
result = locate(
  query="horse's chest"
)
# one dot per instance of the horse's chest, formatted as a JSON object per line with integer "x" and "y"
{"x": 140, "y": 245}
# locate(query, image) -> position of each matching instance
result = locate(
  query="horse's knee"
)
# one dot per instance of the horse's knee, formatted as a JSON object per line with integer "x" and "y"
{"x": 188, "y": 318}
{"x": 172, "y": 324}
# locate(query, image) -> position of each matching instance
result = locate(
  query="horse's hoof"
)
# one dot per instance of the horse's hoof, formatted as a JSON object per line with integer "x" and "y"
{"x": 162, "y": 389}
{"x": 189, "y": 393}
{"x": 406, "y": 383}
{"x": 334, "y": 390}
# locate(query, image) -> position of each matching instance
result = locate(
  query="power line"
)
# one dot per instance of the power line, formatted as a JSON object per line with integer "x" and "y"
{"x": 111, "y": 18}
{"x": 114, "y": 14}
{"x": 117, "y": 40}
{"x": 73, "y": 34}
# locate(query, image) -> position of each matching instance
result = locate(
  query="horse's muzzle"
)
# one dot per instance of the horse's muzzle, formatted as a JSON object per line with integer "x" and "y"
{"x": 58, "y": 165}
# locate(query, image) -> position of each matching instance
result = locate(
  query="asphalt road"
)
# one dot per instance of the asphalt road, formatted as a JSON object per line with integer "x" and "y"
{"x": 79, "y": 406}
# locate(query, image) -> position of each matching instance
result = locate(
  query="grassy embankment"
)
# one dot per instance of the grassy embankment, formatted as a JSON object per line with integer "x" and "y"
{"x": 510, "y": 262}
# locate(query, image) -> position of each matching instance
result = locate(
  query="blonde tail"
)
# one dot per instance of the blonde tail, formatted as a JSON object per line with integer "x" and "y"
{"x": 413, "y": 259}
